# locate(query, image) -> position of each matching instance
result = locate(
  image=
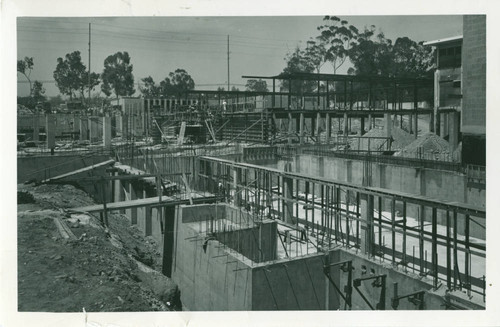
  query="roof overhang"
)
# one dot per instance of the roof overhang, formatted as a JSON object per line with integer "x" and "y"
{"x": 445, "y": 41}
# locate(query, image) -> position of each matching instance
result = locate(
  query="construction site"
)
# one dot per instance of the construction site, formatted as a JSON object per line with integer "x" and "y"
{"x": 370, "y": 195}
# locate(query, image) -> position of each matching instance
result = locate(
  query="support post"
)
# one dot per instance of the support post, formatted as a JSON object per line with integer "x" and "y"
{"x": 453, "y": 128}
{"x": 328, "y": 126}
{"x": 367, "y": 231}
{"x": 301, "y": 128}
{"x": 290, "y": 128}
{"x": 106, "y": 132}
{"x": 50, "y": 132}
{"x": 346, "y": 127}
{"x": 388, "y": 125}
{"x": 287, "y": 201}
{"x": 36, "y": 127}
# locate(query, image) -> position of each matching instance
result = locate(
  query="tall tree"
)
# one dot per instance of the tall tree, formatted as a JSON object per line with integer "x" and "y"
{"x": 256, "y": 85}
{"x": 117, "y": 75}
{"x": 71, "y": 76}
{"x": 372, "y": 55}
{"x": 316, "y": 53}
{"x": 178, "y": 82}
{"x": 94, "y": 81}
{"x": 38, "y": 91}
{"x": 411, "y": 59}
{"x": 337, "y": 37}
{"x": 150, "y": 89}
{"x": 298, "y": 62}
{"x": 25, "y": 67}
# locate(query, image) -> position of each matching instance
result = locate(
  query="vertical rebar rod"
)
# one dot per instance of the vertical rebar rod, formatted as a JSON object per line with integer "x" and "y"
{"x": 421, "y": 239}
{"x": 404, "y": 234}
{"x": 448, "y": 251}
{"x": 347, "y": 229}
{"x": 380, "y": 225}
{"x": 357, "y": 223}
{"x": 393, "y": 229}
{"x": 434, "y": 246}
{"x": 455, "y": 254}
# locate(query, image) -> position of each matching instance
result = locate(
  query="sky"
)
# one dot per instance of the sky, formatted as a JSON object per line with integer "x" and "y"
{"x": 159, "y": 45}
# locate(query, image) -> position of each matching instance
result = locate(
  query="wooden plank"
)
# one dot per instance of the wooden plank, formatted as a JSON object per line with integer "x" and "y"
{"x": 153, "y": 201}
{"x": 78, "y": 171}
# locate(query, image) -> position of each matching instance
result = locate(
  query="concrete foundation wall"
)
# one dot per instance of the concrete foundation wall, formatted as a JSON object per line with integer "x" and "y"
{"x": 407, "y": 284}
{"x": 211, "y": 279}
{"x": 438, "y": 184}
{"x": 259, "y": 244}
{"x": 41, "y": 167}
{"x": 298, "y": 284}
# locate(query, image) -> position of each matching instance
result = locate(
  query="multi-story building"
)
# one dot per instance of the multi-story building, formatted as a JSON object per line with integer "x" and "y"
{"x": 460, "y": 89}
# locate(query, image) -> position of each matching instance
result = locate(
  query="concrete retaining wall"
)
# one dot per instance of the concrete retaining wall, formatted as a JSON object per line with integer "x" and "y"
{"x": 41, "y": 167}
{"x": 211, "y": 279}
{"x": 437, "y": 184}
{"x": 297, "y": 284}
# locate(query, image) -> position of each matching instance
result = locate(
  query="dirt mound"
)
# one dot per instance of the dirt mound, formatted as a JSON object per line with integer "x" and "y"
{"x": 427, "y": 146}
{"x": 399, "y": 136}
{"x": 25, "y": 197}
{"x": 96, "y": 270}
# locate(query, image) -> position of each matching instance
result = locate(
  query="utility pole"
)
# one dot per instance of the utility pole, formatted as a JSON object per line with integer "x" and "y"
{"x": 228, "y": 84}
{"x": 89, "y": 66}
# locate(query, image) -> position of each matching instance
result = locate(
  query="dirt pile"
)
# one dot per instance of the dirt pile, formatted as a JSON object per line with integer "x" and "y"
{"x": 427, "y": 146}
{"x": 97, "y": 270}
{"x": 399, "y": 136}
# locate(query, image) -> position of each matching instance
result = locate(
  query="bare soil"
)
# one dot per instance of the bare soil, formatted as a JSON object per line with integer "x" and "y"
{"x": 103, "y": 269}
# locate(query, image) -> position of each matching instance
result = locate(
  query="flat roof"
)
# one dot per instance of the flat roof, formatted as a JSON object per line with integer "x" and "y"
{"x": 445, "y": 40}
{"x": 343, "y": 77}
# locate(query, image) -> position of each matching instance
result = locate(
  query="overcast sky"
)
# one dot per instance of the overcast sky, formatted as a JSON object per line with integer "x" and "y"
{"x": 159, "y": 45}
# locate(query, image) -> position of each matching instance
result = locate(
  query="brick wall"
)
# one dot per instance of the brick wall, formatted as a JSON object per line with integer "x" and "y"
{"x": 474, "y": 75}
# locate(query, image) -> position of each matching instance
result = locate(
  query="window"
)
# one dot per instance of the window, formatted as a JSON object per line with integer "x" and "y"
{"x": 450, "y": 57}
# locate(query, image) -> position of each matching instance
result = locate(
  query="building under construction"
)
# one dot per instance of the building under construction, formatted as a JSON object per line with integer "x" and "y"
{"x": 366, "y": 194}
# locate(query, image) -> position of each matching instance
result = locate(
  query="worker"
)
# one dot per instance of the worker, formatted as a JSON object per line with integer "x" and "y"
{"x": 303, "y": 233}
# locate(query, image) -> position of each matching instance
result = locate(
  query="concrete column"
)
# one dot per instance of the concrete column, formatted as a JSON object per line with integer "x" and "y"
{"x": 106, "y": 132}
{"x": 346, "y": 126}
{"x": 453, "y": 128}
{"x": 168, "y": 240}
{"x": 301, "y": 128}
{"x": 141, "y": 211}
{"x": 50, "y": 130}
{"x": 437, "y": 124}
{"x": 124, "y": 127}
{"x": 290, "y": 128}
{"x": 318, "y": 120}
{"x": 36, "y": 127}
{"x": 446, "y": 124}
{"x": 416, "y": 125}
{"x": 367, "y": 232}
{"x": 431, "y": 123}
{"x": 236, "y": 181}
{"x": 84, "y": 128}
{"x": 287, "y": 203}
{"x": 362, "y": 126}
{"x": 436, "y": 102}
{"x": 76, "y": 126}
{"x": 410, "y": 123}
{"x": 133, "y": 211}
{"x": 370, "y": 122}
{"x": 328, "y": 125}
{"x": 94, "y": 134}
{"x": 148, "y": 221}
{"x": 388, "y": 125}
{"x": 117, "y": 125}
